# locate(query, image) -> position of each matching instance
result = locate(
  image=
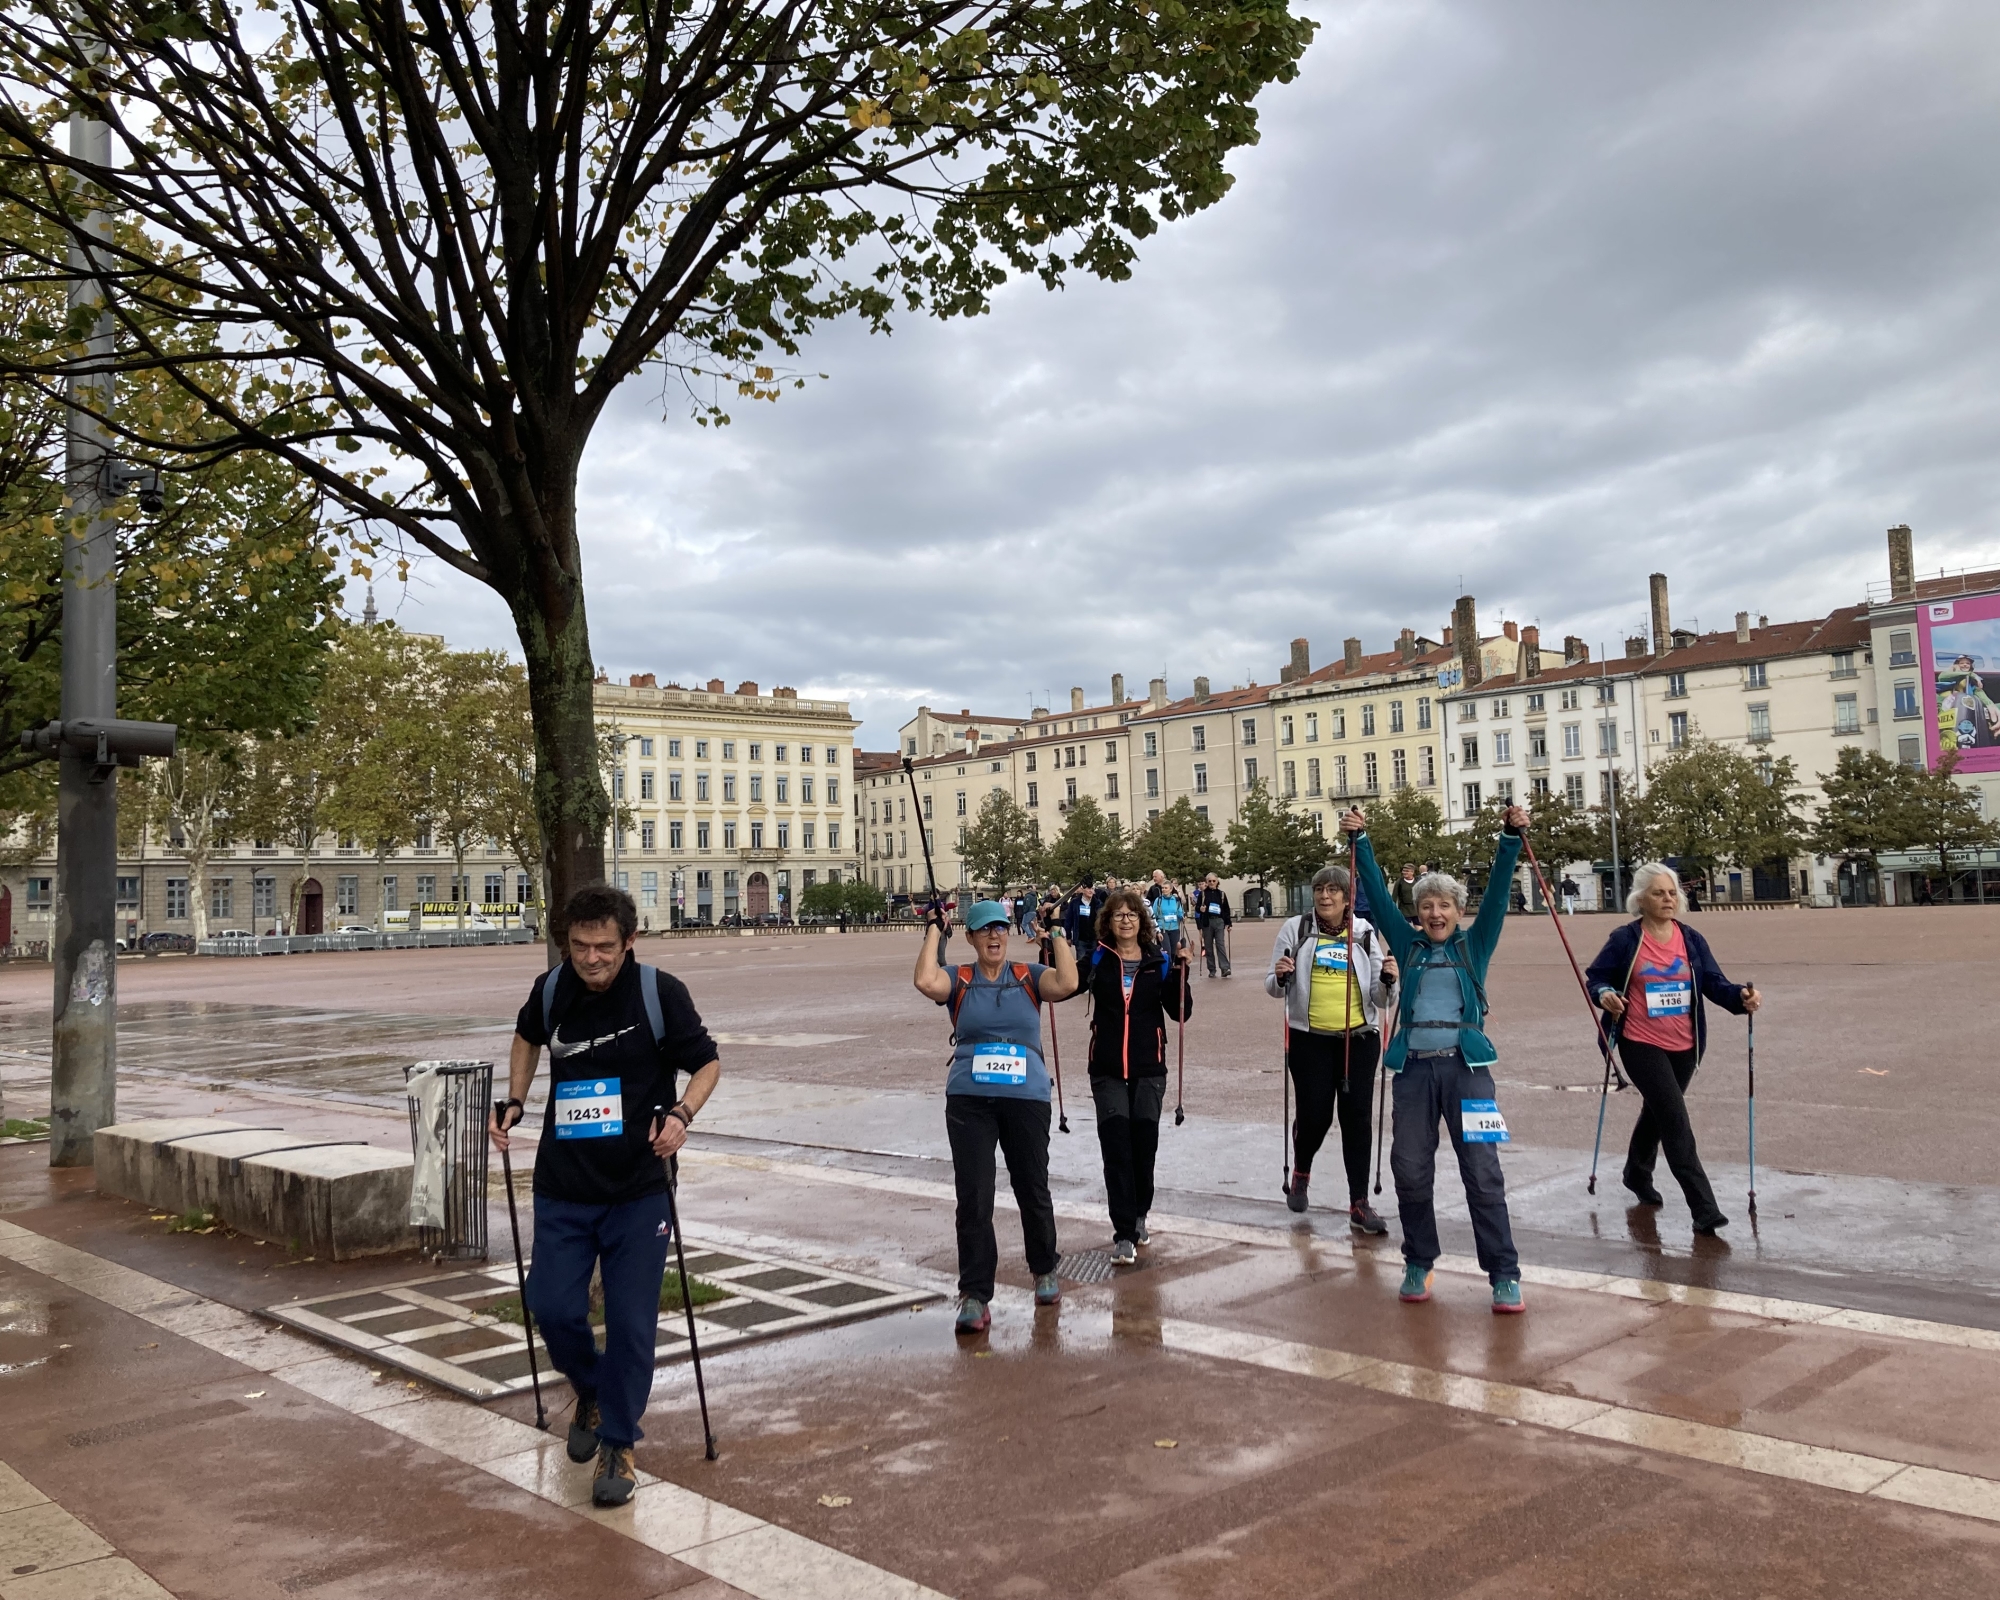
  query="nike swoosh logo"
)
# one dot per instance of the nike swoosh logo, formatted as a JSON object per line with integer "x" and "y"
{"x": 561, "y": 1050}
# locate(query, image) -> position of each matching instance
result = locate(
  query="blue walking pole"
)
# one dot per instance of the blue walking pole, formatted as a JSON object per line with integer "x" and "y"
{"x": 1752, "y": 1035}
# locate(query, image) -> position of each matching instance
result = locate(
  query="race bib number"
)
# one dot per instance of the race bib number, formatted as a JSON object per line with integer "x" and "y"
{"x": 1214, "y": 910}
{"x": 1329, "y": 956}
{"x": 999, "y": 1063}
{"x": 1482, "y": 1122}
{"x": 1668, "y": 998}
{"x": 589, "y": 1108}
{"x": 1169, "y": 914}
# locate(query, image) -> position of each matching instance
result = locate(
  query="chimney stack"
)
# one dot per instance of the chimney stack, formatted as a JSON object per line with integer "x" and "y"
{"x": 1350, "y": 655}
{"x": 716, "y": 686}
{"x": 1742, "y": 627}
{"x": 641, "y": 680}
{"x": 1447, "y": 636}
{"x": 1156, "y": 692}
{"x": 1574, "y": 650}
{"x": 1512, "y": 630}
{"x": 1902, "y": 564}
{"x": 1076, "y": 699}
{"x": 1635, "y": 648}
{"x": 747, "y": 688}
{"x": 1663, "y": 628}
{"x": 972, "y": 741}
{"x": 1301, "y": 659}
{"x": 1531, "y": 652}
{"x": 1406, "y": 645}
{"x": 1037, "y": 713}
{"x": 1201, "y": 691}
{"x": 1465, "y": 630}
{"x": 1117, "y": 688}
{"x": 1285, "y": 673}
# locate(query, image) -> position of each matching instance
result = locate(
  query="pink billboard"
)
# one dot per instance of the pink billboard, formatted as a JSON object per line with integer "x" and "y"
{"x": 1958, "y": 648}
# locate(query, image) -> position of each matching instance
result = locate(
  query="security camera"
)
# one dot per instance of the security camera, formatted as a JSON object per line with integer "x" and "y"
{"x": 128, "y": 477}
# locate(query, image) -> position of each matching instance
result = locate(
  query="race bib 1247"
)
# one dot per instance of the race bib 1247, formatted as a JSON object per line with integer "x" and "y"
{"x": 589, "y": 1108}
{"x": 1482, "y": 1122}
{"x": 999, "y": 1063}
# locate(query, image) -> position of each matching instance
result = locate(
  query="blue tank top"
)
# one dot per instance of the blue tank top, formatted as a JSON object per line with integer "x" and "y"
{"x": 999, "y": 1045}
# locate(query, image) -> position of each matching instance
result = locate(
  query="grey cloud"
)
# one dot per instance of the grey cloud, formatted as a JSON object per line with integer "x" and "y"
{"x": 1543, "y": 295}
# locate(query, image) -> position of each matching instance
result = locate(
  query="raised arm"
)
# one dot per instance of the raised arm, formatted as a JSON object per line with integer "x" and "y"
{"x": 1492, "y": 916}
{"x": 1394, "y": 929}
{"x": 1059, "y": 981}
{"x": 932, "y": 981}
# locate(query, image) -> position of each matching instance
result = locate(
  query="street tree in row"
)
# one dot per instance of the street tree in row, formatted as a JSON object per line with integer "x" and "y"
{"x": 1945, "y": 816}
{"x": 1180, "y": 842}
{"x": 1709, "y": 806}
{"x": 436, "y": 238}
{"x": 1406, "y": 828}
{"x": 1091, "y": 845}
{"x": 1274, "y": 843}
{"x": 1003, "y": 844}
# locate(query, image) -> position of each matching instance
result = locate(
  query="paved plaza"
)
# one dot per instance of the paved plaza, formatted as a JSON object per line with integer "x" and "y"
{"x": 1806, "y": 1406}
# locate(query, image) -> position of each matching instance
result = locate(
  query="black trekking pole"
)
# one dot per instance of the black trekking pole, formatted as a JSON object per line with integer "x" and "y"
{"x": 1751, "y": 1019}
{"x": 930, "y": 874}
{"x": 1180, "y": 1064}
{"x": 687, "y": 1287}
{"x": 1055, "y": 1044}
{"x": 520, "y": 1272}
{"x": 1285, "y": 1071}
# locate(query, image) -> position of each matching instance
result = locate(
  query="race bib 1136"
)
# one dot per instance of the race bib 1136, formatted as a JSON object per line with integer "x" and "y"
{"x": 589, "y": 1108}
{"x": 1671, "y": 997}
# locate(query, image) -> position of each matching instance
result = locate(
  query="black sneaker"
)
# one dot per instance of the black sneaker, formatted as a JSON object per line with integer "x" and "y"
{"x": 1642, "y": 1188}
{"x": 1363, "y": 1218}
{"x": 1711, "y": 1223}
{"x": 583, "y": 1425}
{"x": 1295, "y": 1195}
{"x": 617, "y": 1478}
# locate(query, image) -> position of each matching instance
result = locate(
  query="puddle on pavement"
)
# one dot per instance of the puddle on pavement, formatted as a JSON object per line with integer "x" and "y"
{"x": 24, "y": 1333}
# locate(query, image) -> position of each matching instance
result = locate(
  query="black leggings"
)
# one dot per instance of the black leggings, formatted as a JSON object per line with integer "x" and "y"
{"x": 1661, "y": 1077}
{"x": 1319, "y": 1061}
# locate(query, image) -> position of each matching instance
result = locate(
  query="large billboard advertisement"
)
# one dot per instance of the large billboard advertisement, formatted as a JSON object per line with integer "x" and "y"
{"x": 1958, "y": 646}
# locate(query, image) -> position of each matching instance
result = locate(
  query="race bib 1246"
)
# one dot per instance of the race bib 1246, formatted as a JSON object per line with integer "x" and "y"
{"x": 1482, "y": 1122}
{"x": 589, "y": 1108}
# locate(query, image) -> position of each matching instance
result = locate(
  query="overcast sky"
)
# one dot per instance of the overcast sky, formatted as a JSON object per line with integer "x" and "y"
{"x": 1532, "y": 298}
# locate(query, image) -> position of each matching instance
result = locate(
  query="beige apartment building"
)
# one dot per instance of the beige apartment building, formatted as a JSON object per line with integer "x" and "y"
{"x": 736, "y": 803}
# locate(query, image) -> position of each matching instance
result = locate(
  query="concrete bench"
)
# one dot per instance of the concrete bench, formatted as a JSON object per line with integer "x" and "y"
{"x": 325, "y": 1199}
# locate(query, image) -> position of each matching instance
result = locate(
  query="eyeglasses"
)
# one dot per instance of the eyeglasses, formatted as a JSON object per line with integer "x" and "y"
{"x": 1124, "y": 916}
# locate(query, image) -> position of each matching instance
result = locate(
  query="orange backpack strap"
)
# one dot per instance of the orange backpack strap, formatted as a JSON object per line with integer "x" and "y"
{"x": 1024, "y": 975}
{"x": 964, "y": 976}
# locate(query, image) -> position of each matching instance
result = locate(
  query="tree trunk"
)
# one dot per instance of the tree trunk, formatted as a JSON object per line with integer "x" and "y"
{"x": 570, "y": 801}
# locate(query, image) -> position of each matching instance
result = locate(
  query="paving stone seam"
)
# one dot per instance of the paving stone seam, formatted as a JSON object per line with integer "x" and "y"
{"x": 31, "y": 1524}
{"x": 758, "y": 1557}
{"x": 1281, "y": 1237}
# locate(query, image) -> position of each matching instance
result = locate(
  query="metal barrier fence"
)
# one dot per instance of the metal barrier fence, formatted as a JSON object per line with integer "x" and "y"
{"x": 455, "y": 1135}
{"x": 281, "y": 944}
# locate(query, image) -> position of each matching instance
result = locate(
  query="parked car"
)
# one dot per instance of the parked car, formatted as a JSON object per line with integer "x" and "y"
{"x": 354, "y": 927}
{"x": 168, "y": 943}
{"x": 233, "y": 935}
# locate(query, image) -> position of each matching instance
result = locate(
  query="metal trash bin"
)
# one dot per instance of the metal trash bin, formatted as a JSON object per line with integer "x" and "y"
{"x": 450, "y": 1103}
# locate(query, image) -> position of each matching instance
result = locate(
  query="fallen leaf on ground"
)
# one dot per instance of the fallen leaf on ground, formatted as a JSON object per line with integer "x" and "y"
{"x": 153, "y": 1346}
{"x": 1166, "y": 1444}
{"x": 258, "y": 1395}
{"x": 1875, "y": 1072}
{"x": 836, "y": 1499}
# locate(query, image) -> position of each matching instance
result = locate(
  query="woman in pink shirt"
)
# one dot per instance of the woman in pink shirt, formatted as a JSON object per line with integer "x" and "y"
{"x": 1651, "y": 978}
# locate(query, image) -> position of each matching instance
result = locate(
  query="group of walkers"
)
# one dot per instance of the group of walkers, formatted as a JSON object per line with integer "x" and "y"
{"x": 1403, "y": 994}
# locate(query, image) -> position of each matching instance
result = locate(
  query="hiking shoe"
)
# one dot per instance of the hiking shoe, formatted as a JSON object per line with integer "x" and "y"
{"x": 1710, "y": 1224}
{"x": 1124, "y": 1254}
{"x": 1295, "y": 1192}
{"x": 1416, "y": 1283}
{"x": 1047, "y": 1291}
{"x": 1363, "y": 1218}
{"x": 973, "y": 1317}
{"x": 1507, "y": 1298}
{"x": 1140, "y": 1235}
{"x": 583, "y": 1425}
{"x": 617, "y": 1478}
{"x": 1642, "y": 1189}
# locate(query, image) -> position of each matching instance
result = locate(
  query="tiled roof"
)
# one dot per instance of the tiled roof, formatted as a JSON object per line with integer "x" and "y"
{"x": 1948, "y": 584}
{"x": 868, "y": 762}
{"x": 1226, "y": 700}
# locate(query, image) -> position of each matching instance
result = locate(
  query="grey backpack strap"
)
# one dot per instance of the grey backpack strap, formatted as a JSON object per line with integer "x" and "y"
{"x": 549, "y": 998}
{"x": 649, "y": 992}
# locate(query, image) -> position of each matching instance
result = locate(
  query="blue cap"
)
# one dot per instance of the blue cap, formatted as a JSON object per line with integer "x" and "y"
{"x": 985, "y": 914}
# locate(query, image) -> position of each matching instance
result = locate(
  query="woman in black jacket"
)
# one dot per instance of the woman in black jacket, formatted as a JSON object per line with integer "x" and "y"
{"x": 1651, "y": 978}
{"x": 1134, "y": 988}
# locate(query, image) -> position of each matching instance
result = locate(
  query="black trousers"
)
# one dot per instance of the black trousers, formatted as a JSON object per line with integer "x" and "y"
{"x": 1320, "y": 1062}
{"x": 1661, "y": 1076}
{"x": 975, "y": 1123}
{"x": 1128, "y": 1135}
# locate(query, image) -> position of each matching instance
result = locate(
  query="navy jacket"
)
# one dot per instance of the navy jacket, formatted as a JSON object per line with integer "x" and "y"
{"x": 1612, "y": 972}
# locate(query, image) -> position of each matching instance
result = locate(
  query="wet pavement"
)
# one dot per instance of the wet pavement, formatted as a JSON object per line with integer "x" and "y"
{"x": 1808, "y": 1408}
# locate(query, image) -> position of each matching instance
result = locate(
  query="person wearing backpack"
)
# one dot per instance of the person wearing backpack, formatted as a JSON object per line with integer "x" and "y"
{"x": 619, "y": 1034}
{"x": 1441, "y": 1062}
{"x": 1333, "y": 1009}
{"x": 997, "y": 1093}
{"x": 1169, "y": 908}
{"x": 1134, "y": 987}
{"x": 1212, "y": 919}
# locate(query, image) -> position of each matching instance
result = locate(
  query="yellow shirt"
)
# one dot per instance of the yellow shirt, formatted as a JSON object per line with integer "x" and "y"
{"x": 1334, "y": 1001}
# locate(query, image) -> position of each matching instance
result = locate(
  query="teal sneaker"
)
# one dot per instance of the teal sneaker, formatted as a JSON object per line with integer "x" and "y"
{"x": 1047, "y": 1291}
{"x": 1416, "y": 1283}
{"x": 973, "y": 1317}
{"x": 1507, "y": 1298}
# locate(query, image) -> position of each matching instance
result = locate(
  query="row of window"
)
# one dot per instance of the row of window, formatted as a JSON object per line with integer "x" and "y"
{"x": 176, "y": 895}
{"x": 781, "y": 832}
{"x": 781, "y": 786}
{"x": 779, "y": 752}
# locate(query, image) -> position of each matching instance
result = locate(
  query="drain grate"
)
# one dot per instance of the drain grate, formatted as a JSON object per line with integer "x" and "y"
{"x": 1086, "y": 1266}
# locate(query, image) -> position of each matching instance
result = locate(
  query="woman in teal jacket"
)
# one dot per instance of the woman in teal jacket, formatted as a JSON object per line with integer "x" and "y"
{"x": 1441, "y": 1061}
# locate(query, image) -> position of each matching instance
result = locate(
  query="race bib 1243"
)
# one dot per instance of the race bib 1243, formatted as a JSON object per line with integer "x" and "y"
{"x": 589, "y": 1108}
{"x": 1482, "y": 1122}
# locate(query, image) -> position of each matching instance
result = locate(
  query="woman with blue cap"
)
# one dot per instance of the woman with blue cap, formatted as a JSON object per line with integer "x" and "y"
{"x": 997, "y": 1093}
